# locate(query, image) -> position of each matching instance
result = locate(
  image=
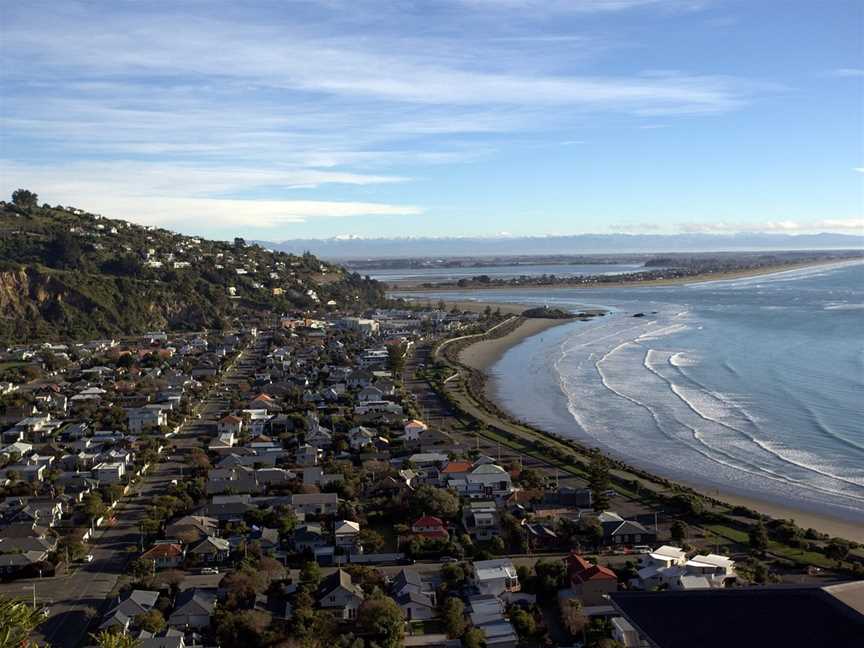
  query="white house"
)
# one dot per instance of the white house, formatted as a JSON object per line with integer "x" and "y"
{"x": 230, "y": 424}
{"x": 495, "y": 577}
{"x": 414, "y": 429}
{"x": 146, "y": 418}
{"x": 345, "y": 533}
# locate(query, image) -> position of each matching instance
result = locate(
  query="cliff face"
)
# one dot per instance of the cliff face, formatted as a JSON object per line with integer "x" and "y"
{"x": 69, "y": 274}
{"x": 35, "y": 303}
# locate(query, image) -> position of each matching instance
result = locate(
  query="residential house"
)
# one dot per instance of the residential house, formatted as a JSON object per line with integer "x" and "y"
{"x": 618, "y": 531}
{"x": 230, "y": 424}
{"x": 192, "y": 528}
{"x": 346, "y": 533}
{"x": 338, "y": 593}
{"x": 430, "y": 527}
{"x": 210, "y": 550}
{"x": 308, "y": 537}
{"x": 481, "y": 520}
{"x": 146, "y": 418}
{"x": 361, "y": 437}
{"x": 414, "y": 596}
{"x": 495, "y": 577}
{"x": 589, "y": 583}
{"x": 315, "y": 503}
{"x": 165, "y": 555}
{"x": 413, "y": 430}
{"x": 125, "y": 609}
{"x": 193, "y": 609}
{"x": 109, "y": 472}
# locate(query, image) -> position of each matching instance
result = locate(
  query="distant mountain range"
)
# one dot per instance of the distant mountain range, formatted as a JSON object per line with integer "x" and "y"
{"x": 365, "y": 248}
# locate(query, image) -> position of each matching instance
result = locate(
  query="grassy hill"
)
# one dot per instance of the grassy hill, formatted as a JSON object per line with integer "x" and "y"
{"x": 66, "y": 273}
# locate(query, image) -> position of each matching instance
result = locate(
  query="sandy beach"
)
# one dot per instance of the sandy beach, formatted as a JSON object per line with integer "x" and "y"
{"x": 804, "y": 519}
{"x": 483, "y": 354}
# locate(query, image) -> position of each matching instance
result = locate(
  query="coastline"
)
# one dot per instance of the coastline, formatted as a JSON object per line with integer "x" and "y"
{"x": 483, "y": 354}
{"x": 410, "y": 286}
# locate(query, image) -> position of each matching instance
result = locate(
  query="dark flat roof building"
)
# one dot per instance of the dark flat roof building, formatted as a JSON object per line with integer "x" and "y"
{"x": 791, "y": 617}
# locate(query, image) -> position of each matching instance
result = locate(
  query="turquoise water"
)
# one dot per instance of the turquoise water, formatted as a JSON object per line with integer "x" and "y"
{"x": 753, "y": 386}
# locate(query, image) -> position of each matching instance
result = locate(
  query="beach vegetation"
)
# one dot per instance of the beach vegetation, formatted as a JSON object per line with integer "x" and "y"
{"x": 598, "y": 481}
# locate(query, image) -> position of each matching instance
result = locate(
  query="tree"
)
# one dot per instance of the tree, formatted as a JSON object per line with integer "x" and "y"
{"x": 758, "y": 537}
{"x": 524, "y": 623}
{"x": 551, "y": 575}
{"x": 372, "y": 541}
{"x": 240, "y": 629}
{"x": 837, "y": 549}
{"x": 573, "y": 617}
{"x": 531, "y": 478}
{"x": 65, "y": 250}
{"x": 382, "y": 618}
{"x": 140, "y": 568}
{"x": 598, "y": 481}
{"x": 94, "y": 507}
{"x": 310, "y": 574}
{"x": 25, "y": 199}
{"x": 435, "y": 501}
{"x": 454, "y": 617}
{"x": 151, "y": 621}
{"x": 474, "y": 638}
{"x": 396, "y": 358}
{"x": 678, "y": 531}
{"x": 17, "y": 622}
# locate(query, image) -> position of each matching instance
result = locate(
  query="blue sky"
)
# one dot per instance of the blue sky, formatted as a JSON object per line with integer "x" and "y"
{"x": 324, "y": 118}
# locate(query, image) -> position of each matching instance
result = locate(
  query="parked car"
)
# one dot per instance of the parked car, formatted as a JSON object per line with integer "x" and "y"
{"x": 209, "y": 570}
{"x": 88, "y": 558}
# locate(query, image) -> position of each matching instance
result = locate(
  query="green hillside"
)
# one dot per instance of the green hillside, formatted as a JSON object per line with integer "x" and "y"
{"x": 66, "y": 273}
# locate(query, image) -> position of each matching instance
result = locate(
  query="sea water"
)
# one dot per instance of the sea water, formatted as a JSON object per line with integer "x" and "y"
{"x": 752, "y": 386}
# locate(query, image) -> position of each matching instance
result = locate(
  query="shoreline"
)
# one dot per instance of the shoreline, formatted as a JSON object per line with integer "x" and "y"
{"x": 483, "y": 354}
{"x": 397, "y": 287}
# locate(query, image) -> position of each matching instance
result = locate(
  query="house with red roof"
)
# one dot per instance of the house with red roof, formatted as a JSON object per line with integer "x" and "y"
{"x": 430, "y": 527}
{"x": 589, "y": 583}
{"x": 165, "y": 555}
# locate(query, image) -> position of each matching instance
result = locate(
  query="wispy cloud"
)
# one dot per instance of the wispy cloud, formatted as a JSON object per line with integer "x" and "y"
{"x": 847, "y": 72}
{"x": 161, "y": 103}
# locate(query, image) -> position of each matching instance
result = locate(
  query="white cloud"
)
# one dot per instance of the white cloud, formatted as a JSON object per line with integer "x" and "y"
{"x": 243, "y": 215}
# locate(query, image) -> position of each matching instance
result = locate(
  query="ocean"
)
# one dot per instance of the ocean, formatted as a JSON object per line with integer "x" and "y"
{"x": 751, "y": 386}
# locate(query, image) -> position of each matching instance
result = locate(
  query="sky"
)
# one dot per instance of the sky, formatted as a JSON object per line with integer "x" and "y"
{"x": 374, "y": 118}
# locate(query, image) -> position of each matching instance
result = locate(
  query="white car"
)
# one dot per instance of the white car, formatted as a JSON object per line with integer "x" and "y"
{"x": 210, "y": 570}
{"x": 88, "y": 558}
